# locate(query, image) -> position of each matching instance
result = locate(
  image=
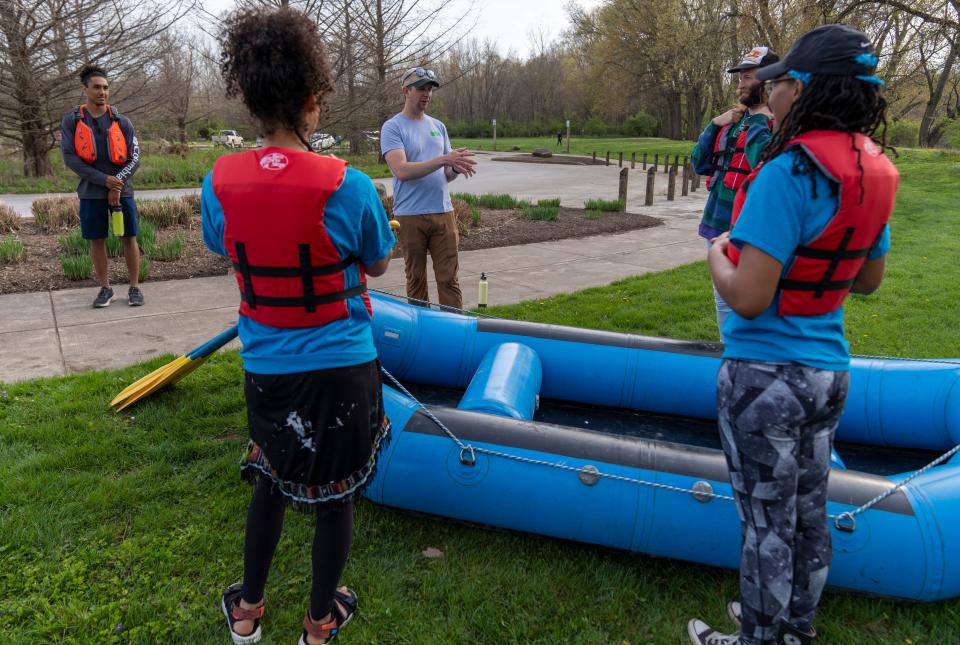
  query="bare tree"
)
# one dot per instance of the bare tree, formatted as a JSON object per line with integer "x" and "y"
{"x": 43, "y": 43}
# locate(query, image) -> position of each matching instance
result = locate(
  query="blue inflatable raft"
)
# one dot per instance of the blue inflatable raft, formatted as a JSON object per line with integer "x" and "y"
{"x": 611, "y": 439}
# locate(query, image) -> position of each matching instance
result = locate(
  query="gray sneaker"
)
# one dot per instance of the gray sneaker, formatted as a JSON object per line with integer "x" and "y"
{"x": 104, "y": 298}
{"x": 701, "y": 633}
{"x": 135, "y": 297}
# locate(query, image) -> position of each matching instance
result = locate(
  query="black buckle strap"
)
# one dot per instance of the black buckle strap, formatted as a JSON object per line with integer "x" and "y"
{"x": 297, "y": 271}
{"x": 243, "y": 268}
{"x": 306, "y": 278}
{"x": 825, "y": 283}
{"x": 269, "y": 301}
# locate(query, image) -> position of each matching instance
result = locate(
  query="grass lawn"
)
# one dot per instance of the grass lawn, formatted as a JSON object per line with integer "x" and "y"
{"x": 125, "y": 528}
{"x": 586, "y": 146}
{"x": 156, "y": 171}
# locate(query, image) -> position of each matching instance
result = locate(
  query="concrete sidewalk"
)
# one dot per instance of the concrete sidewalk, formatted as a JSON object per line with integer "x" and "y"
{"x": 59, "y": 332}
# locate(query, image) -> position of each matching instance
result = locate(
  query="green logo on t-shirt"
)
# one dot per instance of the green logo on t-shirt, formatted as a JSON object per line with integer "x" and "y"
{"x": 434, "y": 133}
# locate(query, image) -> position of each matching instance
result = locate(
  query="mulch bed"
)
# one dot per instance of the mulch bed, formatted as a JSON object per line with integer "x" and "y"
{"x": 40, "y": 270}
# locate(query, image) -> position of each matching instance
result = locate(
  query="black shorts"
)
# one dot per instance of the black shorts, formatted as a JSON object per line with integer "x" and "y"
{"x": 317, "y": 434}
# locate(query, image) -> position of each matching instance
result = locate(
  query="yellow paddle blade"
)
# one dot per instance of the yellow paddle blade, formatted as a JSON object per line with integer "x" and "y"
{"x": 159, "y": 378}
{"x": 180, "y": 372}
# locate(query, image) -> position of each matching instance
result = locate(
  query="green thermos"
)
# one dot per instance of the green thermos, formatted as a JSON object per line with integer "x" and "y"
{"x": 116, "y": 221}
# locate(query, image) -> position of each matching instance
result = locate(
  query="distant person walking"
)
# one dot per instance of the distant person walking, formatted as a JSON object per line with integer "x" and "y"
{"x": 729, "y": 148}
{"x": 99, "y": 144}
{"x": 418, "y": 151}
{"x": 560, "y": 138}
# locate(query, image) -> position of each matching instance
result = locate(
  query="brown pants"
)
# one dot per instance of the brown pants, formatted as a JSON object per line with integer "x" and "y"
{"x": 436, "y": 233}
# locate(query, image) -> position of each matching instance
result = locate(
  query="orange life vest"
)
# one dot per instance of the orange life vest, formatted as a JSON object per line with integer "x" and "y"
{"x": 289, "y": 271}
{"x": 822, "y": 272}
{"x": 86, "y": 146}
{"x": 735, "y": 171}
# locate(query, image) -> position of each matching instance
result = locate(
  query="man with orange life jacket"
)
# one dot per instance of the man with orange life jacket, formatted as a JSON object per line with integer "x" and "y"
{"x": 729, "y": 148}
{"x": 810, "y": 227}
{"x": 99, "y": 144}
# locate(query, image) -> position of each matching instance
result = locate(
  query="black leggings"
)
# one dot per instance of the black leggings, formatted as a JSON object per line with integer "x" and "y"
{"x": 331, "y": 544}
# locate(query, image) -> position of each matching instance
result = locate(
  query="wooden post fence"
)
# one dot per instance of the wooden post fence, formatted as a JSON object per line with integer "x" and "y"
{"x": 651, "y": 179}
{"x": 620, "y": 159}
{"x": 594, "y": 156}
{"x": 608, "y": 157}
{"x": 633, "y": 160}
{"x": 656, "y": 161}
{"x": 672, "y": 184}
{"x": 644, "y": 160}
{"x": 622, "y": 189}
{"x": 685, "y": 185}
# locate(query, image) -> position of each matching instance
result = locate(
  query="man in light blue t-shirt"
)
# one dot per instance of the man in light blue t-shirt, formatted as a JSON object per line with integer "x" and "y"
{"x": 418, "y": 151}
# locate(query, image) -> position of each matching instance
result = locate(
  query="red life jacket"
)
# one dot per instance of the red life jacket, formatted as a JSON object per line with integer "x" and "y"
{"x": 86, "y": 146}
{"x": 288, "y": 269}
{"x": 736, "y": 170}
{"x": 822, "y": 272}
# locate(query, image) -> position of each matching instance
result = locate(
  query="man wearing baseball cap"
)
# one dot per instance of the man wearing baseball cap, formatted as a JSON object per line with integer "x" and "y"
{"x": 729, "y": 148}
{"x": 418, "y": 151}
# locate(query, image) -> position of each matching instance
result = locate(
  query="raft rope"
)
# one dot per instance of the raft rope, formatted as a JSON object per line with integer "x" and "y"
{"x": 845, "y": 521}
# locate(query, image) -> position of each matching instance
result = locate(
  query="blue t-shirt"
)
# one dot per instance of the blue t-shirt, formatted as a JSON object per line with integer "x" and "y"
{"x": 421, "y": 140}
{"x": 357, "y": 225}
{"x": 780, "y": 214}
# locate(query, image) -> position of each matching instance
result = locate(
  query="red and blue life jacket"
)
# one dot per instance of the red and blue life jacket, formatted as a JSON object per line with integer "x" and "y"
{"x": 737, "y": 168}
{"x": 289, "y": 271}
{"x": 821, "y": 273}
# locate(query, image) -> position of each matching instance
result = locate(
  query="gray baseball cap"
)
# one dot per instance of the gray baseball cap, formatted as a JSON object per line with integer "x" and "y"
{"x": 419, "y": 77}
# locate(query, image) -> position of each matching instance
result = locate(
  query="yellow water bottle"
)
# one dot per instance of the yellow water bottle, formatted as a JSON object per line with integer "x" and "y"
{"x": 116, "y": 221}
{"x": 482, "y": 297}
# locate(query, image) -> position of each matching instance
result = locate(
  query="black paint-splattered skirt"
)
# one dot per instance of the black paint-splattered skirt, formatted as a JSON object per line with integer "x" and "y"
{"x": 315, "y": 435}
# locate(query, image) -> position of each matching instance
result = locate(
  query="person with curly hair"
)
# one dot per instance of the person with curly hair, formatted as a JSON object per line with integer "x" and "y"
{"x": 99, "y": 145}
{"x": 809, "y": 228}
{"x": 302, "y": 231}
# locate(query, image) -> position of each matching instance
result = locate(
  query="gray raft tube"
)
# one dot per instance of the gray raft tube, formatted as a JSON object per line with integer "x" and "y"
{"x": 892, "y": 402}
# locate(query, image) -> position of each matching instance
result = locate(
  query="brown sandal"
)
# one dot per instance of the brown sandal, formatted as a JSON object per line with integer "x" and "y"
{"x": 344, "y": 609}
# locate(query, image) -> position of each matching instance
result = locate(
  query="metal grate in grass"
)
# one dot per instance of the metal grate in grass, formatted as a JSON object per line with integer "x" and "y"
{"x": 76, "y": 267}
{"x": 168, "y": 250}
{"x": 11, "y": 250}
{"x": 605, "y": 205}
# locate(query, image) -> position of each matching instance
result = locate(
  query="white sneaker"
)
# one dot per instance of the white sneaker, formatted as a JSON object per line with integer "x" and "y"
{"x": 734, "y": 611}
{"x": 701, "y": 633}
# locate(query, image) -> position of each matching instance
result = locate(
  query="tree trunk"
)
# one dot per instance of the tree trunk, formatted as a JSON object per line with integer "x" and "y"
{"x": 930, "y": 111}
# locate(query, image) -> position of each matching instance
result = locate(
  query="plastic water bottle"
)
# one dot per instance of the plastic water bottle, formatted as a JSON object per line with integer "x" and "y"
{"x": 116, "y": 221}
{"x": 482, "y": 297}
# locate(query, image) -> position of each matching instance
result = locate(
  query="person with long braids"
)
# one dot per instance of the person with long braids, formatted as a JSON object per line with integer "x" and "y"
{"x": 302, "y": 231}
{"x": 809, "y": 227}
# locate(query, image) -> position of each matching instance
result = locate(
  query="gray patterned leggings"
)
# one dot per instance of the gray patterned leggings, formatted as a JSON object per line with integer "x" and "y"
{"x": 776, "y": 424}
